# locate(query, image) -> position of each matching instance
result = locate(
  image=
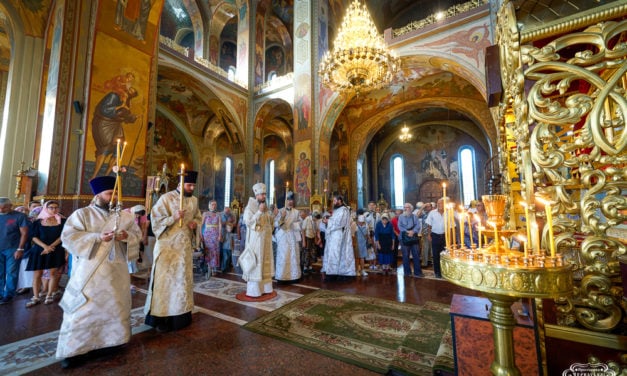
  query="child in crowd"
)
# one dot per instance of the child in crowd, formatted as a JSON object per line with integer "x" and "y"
{"x": 227, "y": 247}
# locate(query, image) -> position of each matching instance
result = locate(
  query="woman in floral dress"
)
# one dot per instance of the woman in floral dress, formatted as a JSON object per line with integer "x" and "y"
{"x": 211, "y": 236}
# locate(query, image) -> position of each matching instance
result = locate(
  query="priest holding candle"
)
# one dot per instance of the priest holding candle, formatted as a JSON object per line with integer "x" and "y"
{"x": 175, "y": 220}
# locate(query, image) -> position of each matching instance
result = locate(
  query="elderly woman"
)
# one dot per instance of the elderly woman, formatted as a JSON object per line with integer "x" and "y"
{"x": 385, "y": 238}
{"x": 212, "y": 236}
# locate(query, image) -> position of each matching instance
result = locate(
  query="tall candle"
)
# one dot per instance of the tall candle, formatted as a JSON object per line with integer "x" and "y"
{"x": 121, "y": 160}
{"x": 452, "y": 218}
{"x": 470, "y": 230}
{"x": 461, "y": 229}
{"x": 523, "y": 242}
{"x": 496, "y": 236}
{"x": 527, "y": 224}
{"x": 447, "y": 241}
{"x": 181, "y": 184}
{"x": 118, "y": 179}
{"x": 117, "y": 154}
{"x": 549, "y": 222}
{"x": 536, "y": 238}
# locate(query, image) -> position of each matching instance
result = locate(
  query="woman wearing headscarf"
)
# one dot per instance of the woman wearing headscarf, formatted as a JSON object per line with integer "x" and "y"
{"x": 46, "y": 252}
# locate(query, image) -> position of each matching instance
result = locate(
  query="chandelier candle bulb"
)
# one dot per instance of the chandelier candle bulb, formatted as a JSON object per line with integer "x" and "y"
{"x": 181, "y": 183}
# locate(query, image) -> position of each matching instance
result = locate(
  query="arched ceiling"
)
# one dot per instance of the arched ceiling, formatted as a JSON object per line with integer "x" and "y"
{"x": 200, "y": 109}
{"x": 276, "y": 117}
{"x": 417, "y": 85}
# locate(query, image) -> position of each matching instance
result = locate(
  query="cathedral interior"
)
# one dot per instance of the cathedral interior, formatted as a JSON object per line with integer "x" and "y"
{"x": 521, "y": 98}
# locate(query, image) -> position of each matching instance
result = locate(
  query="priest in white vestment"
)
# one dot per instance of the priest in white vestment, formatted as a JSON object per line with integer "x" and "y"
{"x": 97, "y": 300}
{"x": 338, "y": 262}
{"x": 288, "y": 239}
{"x": 170, "y": 300}
{"x": 257, "y": 260}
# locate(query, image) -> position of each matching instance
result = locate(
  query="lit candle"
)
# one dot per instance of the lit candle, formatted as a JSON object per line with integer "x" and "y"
{"x": 181, "y": 183}
{"x": 523, "y": 242}
{"x": 461, "y": 229}
{"x": 549, "y": 222}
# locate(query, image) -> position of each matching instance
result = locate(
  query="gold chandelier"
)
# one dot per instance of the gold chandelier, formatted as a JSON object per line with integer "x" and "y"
{"x": 405, "y": 136}
{"x": 359, "y": 61}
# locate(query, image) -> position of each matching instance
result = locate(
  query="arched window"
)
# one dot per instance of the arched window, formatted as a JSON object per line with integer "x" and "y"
{"x": 397, "y": 181}
{"x": 468, "y": 174}
{"x": 228, "y": 175}
{"x": 270, "y": 181}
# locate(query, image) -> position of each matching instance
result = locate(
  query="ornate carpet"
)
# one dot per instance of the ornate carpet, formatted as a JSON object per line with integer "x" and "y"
{"x": 37, "y": 352}
{"x": 380, "y": 335}
{"x": 227, "y": 290}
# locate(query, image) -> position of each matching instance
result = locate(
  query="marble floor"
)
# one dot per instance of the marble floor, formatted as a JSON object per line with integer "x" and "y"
{"x": 215, "y": 343}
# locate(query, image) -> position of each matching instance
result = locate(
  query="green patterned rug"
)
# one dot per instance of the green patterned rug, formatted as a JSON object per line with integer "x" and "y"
{"x": 376, "y": 334}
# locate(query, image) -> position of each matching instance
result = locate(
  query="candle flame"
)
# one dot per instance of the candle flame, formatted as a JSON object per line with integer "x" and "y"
{"x": 543, "y": 201}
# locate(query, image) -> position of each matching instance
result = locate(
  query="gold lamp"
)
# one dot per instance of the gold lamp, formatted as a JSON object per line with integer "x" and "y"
{"x": 359, "y": 61}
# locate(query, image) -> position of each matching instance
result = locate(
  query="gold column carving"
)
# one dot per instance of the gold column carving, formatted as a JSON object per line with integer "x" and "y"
{"x": 577, "y": 109}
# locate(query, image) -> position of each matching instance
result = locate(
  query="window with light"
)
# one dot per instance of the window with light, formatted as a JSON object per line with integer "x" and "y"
{"x": 468, "y": 174}
{"x": 398, "y": 181}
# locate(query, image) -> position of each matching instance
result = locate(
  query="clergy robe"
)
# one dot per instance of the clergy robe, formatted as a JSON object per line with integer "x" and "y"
{"x": 339, "y": 258}
{"x": 288, "y": 238}
{"x": 97, "y": 299}
{"x": 259, "y": 242}
{"x": 171, "y": 279}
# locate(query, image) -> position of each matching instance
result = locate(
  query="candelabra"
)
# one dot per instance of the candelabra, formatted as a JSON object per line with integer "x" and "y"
{"x": 504, "y": 275}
